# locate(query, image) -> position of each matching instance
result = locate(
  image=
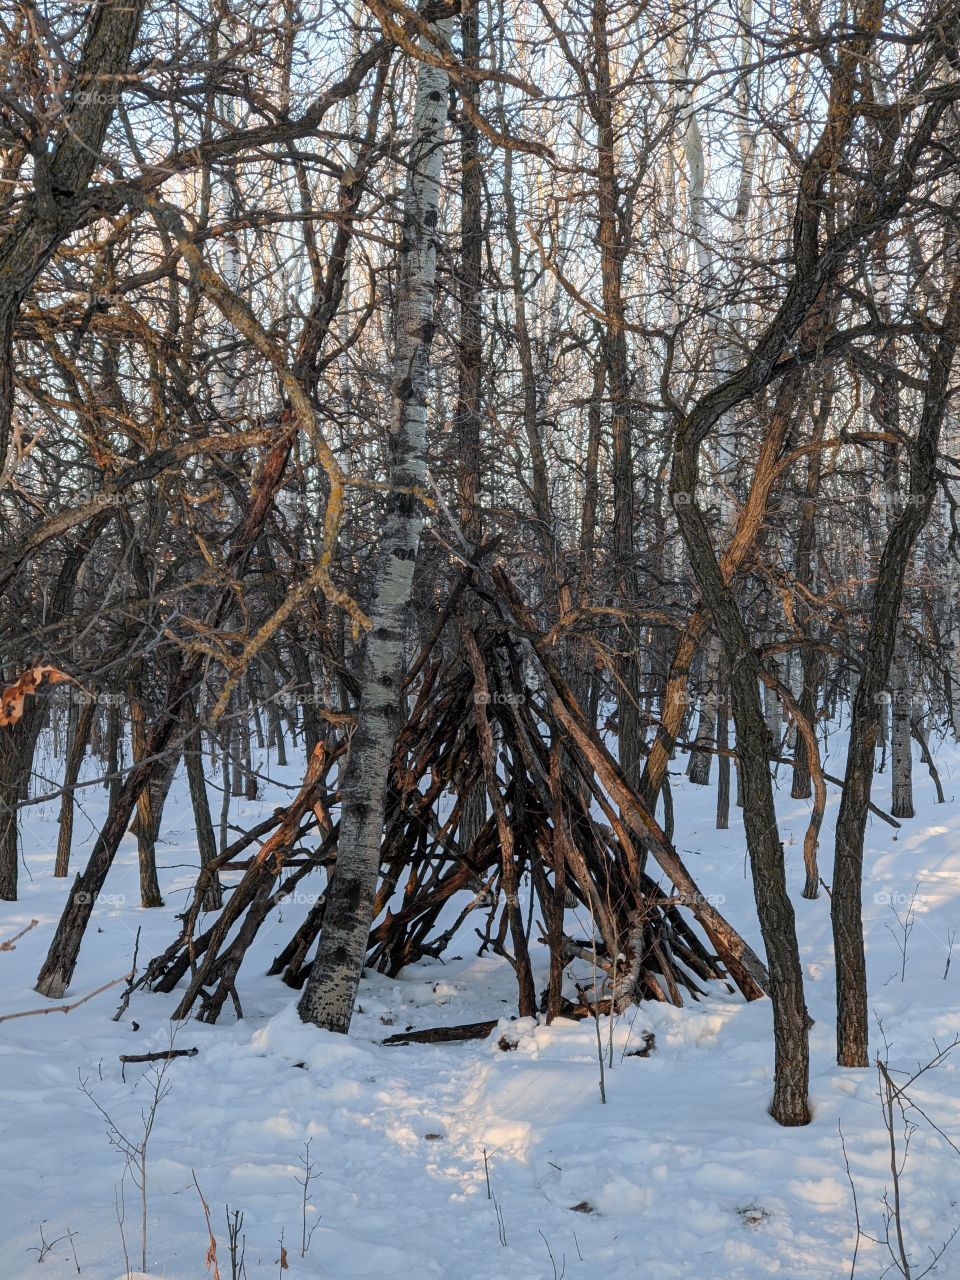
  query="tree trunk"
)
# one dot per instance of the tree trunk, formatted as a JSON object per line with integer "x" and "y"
{"x": 206, "y": 839}
{"x": 748, "y": 523}
{"x": 466, "y": 423}
{"x": 723, "y": 762}
{"x": 774, "y": 909}
{"x": 17, "y": 744}
{"x": 527, "y": 998}
{"x": 773, "y": 712}
{"x": 613, "y": 222}
{"x": 148, "y": 818}
{"x": 701, "y": 757}
{"x": 470, "y": 348}
{"x": 901, "y": 746}
{"x": 806, "y": 575}
{"x": 329, "y": 996}
{"x": 80, "y": 733}
{"x": 846, "y": 905}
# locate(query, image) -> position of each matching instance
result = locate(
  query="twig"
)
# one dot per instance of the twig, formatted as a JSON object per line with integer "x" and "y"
{"x": 46, "y": 1246}
{"x": 9, "y": 944}
{"x": 557, "y": 1275}
{"x": 856, "y": 1206}
{"x": 65, "y": 1008}
{"x": 131, "y": 983}
{"x": 73, "y": 1249}
{"x": 890, "y": 1094}
{"x": 120, "y": 1208}
{"x": 237, "y": 1243}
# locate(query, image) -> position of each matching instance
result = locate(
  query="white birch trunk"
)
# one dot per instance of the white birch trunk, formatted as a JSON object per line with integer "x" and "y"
{"x": 795, "y": 685}
{"x": 331, "y": 989}
{"x": 226, "y": 374}
{"x": 772, "y": 710}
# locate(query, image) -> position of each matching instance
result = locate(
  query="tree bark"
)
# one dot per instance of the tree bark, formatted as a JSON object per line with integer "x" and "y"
{"x": 774, "y": 909}
{"x": 846, "y": 905}
{"x": 148, "y": 813}
{"x": 200, "y": 802}
{"x": 698, "y": 766}
{"x": 17, "y": 744}
{"x": 76, "y": 748}
{"x": 901, "y": 746}
{"x": 330, "y": 993}
{"x": 612, "y": 228}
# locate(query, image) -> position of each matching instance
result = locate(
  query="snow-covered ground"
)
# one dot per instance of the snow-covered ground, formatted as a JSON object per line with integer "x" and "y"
{"x": 466, "y": 1160}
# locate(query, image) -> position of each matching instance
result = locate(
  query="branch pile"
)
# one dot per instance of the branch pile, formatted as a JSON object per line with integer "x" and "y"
{"x": 555, "y": 812}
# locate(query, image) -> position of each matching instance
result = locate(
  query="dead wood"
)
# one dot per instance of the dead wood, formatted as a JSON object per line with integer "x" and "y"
{"x": 444, "y": 1035}
{"x": 496, "y": 720}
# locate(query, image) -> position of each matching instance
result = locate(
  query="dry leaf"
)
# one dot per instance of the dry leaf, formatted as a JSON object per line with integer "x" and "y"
{"x": 13, "y": 698}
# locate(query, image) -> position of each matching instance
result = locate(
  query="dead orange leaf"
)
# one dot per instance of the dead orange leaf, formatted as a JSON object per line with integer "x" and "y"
{"x": 12, "y": 699}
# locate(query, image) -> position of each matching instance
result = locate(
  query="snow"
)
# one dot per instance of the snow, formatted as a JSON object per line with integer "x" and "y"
{"x": 469, "y": 1160}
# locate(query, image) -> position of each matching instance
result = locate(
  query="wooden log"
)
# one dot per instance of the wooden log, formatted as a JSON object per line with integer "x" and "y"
{"x": 163, "y": 1055}
{"x": 444, "y": 1035}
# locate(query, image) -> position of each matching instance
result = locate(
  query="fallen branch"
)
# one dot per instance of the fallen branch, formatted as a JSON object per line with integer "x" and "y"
{"x": 131, "y": 981}
{"x": 66, "y": 1008}
{"x": 444, "y": 1035}
{"x": 9, "y": 944}
{"x": 164, "y": 1055}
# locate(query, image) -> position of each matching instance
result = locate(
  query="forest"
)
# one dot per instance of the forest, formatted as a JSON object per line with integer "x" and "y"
{"x": 479, "y": 556}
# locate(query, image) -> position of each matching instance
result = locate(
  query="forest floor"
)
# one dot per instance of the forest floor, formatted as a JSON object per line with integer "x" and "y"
{"x": 466, "y": 1160}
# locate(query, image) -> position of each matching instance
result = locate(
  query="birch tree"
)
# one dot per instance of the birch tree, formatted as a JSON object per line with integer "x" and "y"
{"x": 331, "y": 989}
